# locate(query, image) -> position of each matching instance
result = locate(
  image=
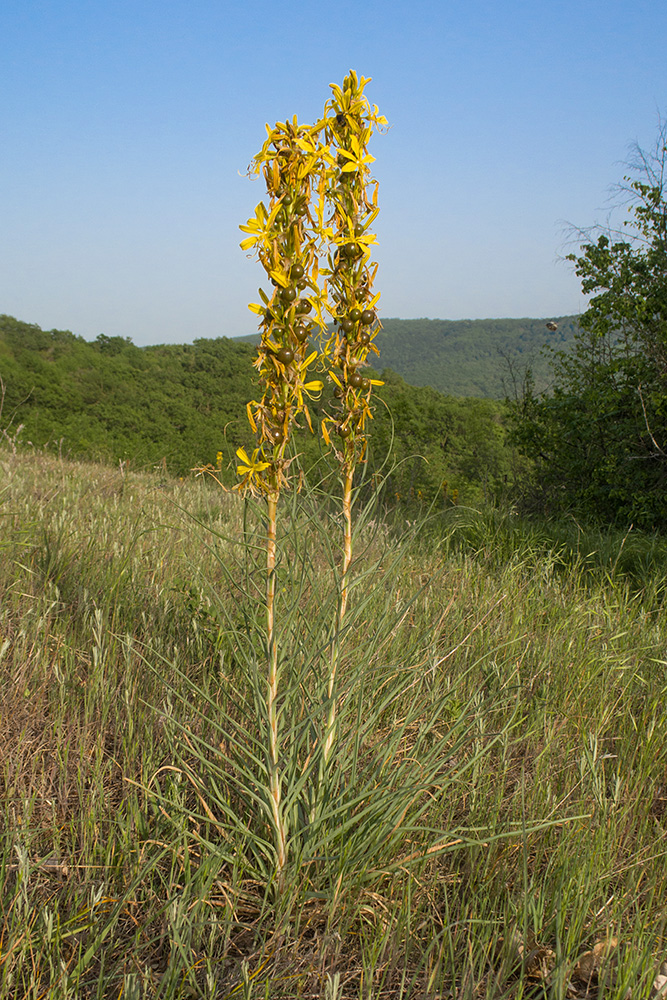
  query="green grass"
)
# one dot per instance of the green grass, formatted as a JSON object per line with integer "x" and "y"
{"x": 496, "y": 802}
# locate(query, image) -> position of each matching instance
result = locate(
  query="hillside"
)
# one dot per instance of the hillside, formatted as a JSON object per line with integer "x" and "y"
{"x": 177, "y": 406}
{"x": 471, "y": 357}
{"x": 497, "y": 773}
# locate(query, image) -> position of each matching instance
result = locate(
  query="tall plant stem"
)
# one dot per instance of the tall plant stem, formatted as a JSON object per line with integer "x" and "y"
{"x": 347, "y": 549}
{"x": 342, "y": 608}
{"x": 272, "y": 693}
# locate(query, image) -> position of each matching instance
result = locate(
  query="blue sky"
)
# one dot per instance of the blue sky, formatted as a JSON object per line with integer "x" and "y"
{"x": 126, "y": 128}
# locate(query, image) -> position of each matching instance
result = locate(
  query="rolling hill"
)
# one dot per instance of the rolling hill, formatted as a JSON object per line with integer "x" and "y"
{"x": 479, "y": 357}
{"x": 175, "y": 406}
{"x": 471, "y": 357}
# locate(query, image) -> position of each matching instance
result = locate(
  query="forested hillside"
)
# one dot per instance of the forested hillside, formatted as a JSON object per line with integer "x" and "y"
{"x": 480, "y": 357}
{"x": 472, "y": 357}
{"x": 179, "y": 405}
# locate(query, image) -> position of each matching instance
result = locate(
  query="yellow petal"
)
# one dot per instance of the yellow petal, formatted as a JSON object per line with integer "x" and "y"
{"x": 280, "y": 277}
{"x": 251, "y": 421}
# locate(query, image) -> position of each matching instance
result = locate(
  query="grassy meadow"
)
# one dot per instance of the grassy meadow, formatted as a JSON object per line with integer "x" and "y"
{"x": 491, "y": 822}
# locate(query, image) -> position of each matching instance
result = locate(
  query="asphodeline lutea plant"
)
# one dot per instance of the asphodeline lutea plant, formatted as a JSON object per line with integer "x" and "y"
{"x": 321, "y": 201}
{"x": 284, "y": 236}
{"x": 351, "y": 195}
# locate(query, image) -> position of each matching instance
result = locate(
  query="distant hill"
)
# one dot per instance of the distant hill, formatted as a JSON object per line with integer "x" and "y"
{"x": 175, "y": 406}
{"x": 470, "y": 357}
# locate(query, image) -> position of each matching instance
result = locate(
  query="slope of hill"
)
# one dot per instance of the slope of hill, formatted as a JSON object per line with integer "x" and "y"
{"x": 178, "y": 405}
{"x": 472, "y": 357}
{"x": 110, "y": 399}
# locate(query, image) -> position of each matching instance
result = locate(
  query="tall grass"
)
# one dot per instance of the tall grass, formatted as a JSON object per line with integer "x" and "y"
{"x": 503, "y": 686}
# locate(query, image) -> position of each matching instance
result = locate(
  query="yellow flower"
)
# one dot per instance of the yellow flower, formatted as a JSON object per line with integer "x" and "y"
{"x": 250, "y": 467}
{"x": 261, "y": 227}
{"x": 355, "y": 157}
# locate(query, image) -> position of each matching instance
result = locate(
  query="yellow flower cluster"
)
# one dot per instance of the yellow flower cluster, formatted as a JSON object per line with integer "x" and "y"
{"x": 321, "y": 204}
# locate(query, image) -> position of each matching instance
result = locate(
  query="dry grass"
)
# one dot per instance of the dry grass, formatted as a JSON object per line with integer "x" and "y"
{"x": 126, "y": 630}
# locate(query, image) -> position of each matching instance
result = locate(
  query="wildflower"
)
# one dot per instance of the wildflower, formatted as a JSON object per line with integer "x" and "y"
{"x": 251, "y": 468}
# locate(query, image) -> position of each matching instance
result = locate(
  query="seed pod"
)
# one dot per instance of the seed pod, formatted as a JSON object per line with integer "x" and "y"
{"x": 347, "y": 325}
{"x": 297, "y": 271}
{"x": 367, "y": 317}
{"x": 285, "y": 355}
{"x": 355, "y": 315}
{"x": 301, "y": 333}
{"x": 355, "y": 380}
{"x": 288, "y": 294}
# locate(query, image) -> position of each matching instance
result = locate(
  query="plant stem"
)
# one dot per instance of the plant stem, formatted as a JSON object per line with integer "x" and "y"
{"x": 342, "y": 608}
{"x": 347, "y": 551}
{"x": 272, "y": 693}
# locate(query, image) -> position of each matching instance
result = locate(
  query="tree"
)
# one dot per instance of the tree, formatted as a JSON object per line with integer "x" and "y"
{"x": 600, "y": 437}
